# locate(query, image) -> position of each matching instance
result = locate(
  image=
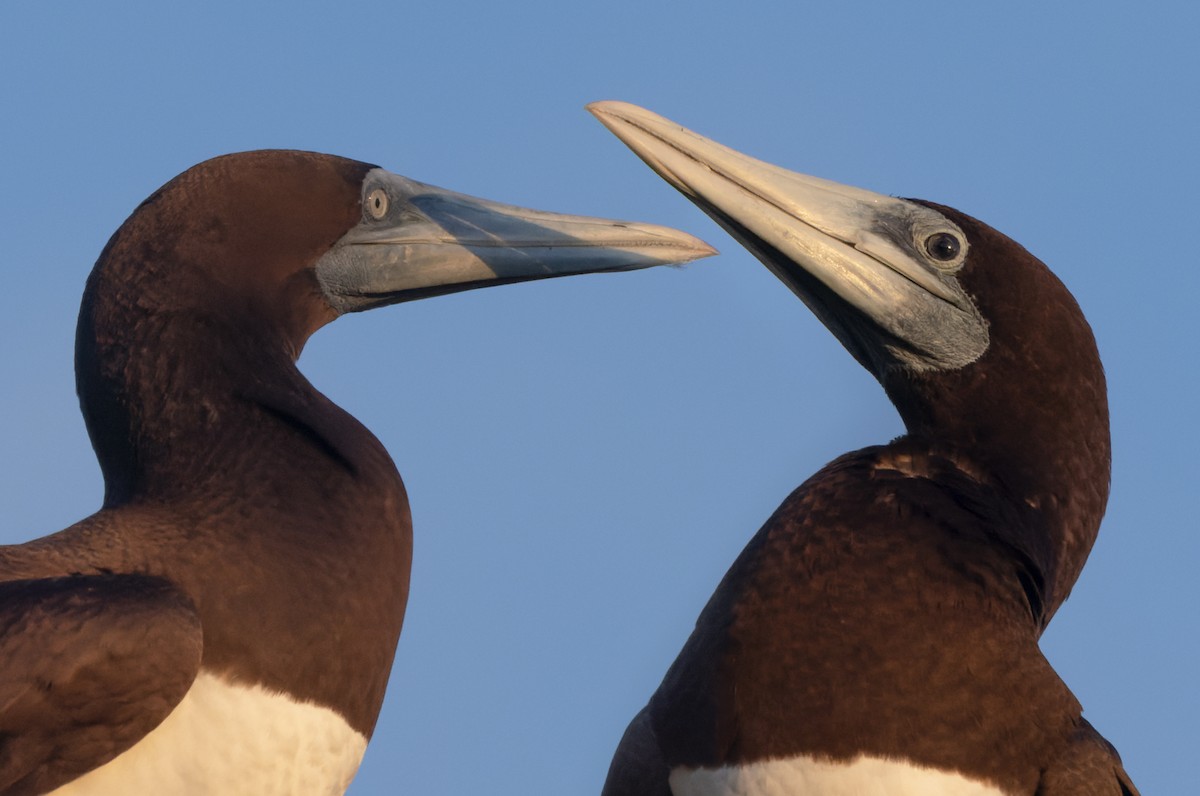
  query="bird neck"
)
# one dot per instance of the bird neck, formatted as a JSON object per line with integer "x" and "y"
{"x": 189, "y": 402}
{"x": 1044, "y": 441}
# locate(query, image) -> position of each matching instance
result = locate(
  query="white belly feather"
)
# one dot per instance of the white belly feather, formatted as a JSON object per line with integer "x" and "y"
{"x": 807, "y": 776}
{"x": 235, "y": 740}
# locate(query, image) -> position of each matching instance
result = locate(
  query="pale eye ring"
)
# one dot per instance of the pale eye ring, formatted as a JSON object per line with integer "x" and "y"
{"x": 377, "y": 203}
{"x": 943, "y": 246}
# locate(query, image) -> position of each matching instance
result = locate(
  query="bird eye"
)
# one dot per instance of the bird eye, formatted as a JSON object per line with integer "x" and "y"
{"x": 943, "y": 246}
{"x": 377, "y": 203}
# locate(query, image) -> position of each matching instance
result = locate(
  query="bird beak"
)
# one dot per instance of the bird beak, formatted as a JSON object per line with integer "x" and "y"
{"x": 418, "y": 240}
{"x": 832, "y": 244}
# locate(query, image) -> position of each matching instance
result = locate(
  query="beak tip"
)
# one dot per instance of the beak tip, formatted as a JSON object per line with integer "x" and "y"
{"x": 612, "y": 113}
{"x": 601, "y": 107}
{"x": 683, "y": 247}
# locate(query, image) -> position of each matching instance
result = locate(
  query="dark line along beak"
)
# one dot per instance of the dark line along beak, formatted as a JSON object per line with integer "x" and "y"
{"x": 829, "y": 243}
{"x": 418, "y": 240}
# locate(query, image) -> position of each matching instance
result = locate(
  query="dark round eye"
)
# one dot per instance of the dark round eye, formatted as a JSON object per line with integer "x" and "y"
{"x": 942, "y": 246}
{"x": 377, "y": 203}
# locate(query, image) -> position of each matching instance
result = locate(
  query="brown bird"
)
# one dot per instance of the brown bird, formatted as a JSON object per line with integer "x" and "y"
{"x": 879, "y": 634}
{"x": 226, "y": 622}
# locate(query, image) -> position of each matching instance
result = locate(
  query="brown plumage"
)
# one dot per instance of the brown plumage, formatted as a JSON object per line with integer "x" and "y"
{"x": 891, "y": 607}
{"x": 251, "y": 529}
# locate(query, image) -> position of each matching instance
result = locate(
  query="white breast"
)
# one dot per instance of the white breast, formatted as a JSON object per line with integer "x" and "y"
{"x": 234, "y": 740}
{"x": 808, "y": 776}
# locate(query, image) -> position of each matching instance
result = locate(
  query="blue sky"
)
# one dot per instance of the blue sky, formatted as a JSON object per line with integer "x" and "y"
{"x": 586, "y": 456}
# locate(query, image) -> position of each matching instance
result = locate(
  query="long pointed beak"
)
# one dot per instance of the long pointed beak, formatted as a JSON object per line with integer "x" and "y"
{"x": 430, "y": 241}
{"x": 832, "y": 244}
